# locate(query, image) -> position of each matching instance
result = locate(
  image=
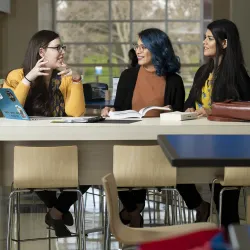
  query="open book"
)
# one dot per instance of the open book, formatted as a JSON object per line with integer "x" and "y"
{"x": 134, "y": 114}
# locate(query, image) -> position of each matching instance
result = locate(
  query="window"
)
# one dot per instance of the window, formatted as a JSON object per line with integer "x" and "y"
{"x": 101, "y": 32}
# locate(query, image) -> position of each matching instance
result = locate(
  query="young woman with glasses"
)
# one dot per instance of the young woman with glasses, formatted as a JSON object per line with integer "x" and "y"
{"x": 153, "y": 83}
{"x": 45, "y": 86}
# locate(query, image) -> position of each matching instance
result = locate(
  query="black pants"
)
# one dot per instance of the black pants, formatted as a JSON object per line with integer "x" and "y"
{"x": 129, "y": 199}
{"x": 63, "y": 202}
{"x": 230, "y": 199}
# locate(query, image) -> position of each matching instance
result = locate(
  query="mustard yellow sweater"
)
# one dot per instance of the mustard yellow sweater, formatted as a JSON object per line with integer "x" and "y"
{"x": 72, "y": 93}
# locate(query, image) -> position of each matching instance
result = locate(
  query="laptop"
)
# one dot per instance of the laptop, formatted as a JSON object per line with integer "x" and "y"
{"x": 12, "y": 109}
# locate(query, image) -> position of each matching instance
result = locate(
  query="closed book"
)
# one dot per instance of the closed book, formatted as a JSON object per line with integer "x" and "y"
{"x": 178, "y": 116}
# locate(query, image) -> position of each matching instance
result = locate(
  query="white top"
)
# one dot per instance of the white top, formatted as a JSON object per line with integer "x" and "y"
{"x": 146, "y": 129}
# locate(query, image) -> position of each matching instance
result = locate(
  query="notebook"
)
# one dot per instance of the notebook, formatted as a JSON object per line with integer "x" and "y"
{"x": 12, "y": 109}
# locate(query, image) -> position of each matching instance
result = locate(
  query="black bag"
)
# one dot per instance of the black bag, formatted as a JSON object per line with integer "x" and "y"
{"x": 94, "y": 91}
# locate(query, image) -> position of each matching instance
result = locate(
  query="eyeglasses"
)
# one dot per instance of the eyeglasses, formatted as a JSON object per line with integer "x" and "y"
{"x": 59, "y": 48}
{"x": 139, "y": 46}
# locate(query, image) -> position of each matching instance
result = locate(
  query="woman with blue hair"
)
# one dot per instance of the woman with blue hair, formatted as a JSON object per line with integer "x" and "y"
{"x": 153, "y": 83}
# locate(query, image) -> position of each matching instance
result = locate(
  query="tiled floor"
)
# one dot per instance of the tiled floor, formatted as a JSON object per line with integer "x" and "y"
{"x": 32, "y": 225}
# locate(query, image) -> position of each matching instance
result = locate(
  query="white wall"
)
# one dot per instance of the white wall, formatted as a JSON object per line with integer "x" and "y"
{"x": 16, "y": 30}
{"x": 238, "y": 12}
{"x": 240, "y": 16}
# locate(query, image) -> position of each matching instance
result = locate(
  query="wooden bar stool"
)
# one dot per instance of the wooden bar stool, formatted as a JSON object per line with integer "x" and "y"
{"x": 45, "y": 168}
{"x": 134, "y": 236}
{"x": 144, "y": 167}
{"x": 234, "y": 178}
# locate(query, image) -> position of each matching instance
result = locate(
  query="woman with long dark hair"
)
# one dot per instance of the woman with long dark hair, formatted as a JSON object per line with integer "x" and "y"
{"x": 133, "y": 60}
{"x": 154, "y": 82}
{"x": 223, "y": 77}
{"x": 45, "y": 86}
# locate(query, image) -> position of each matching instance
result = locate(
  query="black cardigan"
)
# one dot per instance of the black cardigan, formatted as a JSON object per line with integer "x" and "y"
{"x": 243, "y": 88}
{"x": 174, "y": 91}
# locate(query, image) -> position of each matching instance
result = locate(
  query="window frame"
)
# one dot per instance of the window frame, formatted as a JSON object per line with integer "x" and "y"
{"x": 131, "y": 20}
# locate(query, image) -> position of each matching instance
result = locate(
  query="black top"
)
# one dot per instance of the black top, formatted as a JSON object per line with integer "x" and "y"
{"x": 174, "y": 92}
{"x": 243, "y": 88}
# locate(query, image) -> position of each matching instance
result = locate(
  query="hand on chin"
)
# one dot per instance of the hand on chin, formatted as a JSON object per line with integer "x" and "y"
{"x": 59, "y": 66}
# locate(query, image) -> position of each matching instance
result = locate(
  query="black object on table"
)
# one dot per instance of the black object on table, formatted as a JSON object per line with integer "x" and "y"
{"x": 99, "y": 104}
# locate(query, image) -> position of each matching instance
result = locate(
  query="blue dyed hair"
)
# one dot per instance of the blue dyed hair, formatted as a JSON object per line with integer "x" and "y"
{"x": 163, "y": 56}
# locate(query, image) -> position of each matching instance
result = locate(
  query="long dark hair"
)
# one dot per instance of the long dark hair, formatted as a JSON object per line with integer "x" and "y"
{"x": 133, "y": 60}
{"x": 37, "y": 100}
{"x": 163, "y": 57}
{"x": 230, "y": 71}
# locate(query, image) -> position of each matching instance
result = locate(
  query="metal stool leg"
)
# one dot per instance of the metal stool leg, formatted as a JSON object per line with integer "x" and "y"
{"x": 192, "y": 215}
{"x": 9, "y": 234}
{"x": 184, "y": 211}
{"x": 77, "y": 214}
{"x": 180, "y": 210}
{"x": 49, "y": 242}
{"x": 244, "y": 199}
{"x": 157, "y": 206}
{"x": 154, "y": 205}
{"x": 176, "y": 207}
{"x": 81, "y": 222}
{"x": 220, "y": 206}
{"x": 170, "y": 207}
{"x": 86, "y": 196}
{"x": 173, "y": 207}
{"x": 189, "y": 216}
{"x": 102, "y": 209}
{"x": 149, "y": 209}
{"x": 221, "y": 200}
{"x": 93, "y": 195}
{"x": 76, "y": 209}
{"x": 212, "y": 199}
{"x": 166, "y": 216}
{"x": 106, "y": 229}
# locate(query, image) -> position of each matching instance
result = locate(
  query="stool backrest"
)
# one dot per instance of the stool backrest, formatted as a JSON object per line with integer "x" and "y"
{"x": 132, "y": 236}
{"x": 110, "y": 188}
{"x": 45, "y": 167}
{"x": 142, "y": 166}
{"x": 236, "y": 176}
